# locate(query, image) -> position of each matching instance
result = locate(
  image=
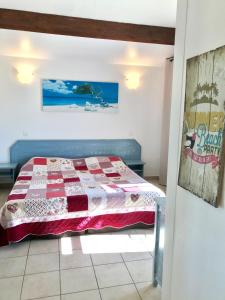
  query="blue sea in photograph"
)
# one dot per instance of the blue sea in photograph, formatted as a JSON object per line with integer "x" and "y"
{"x": 79, "y": 95}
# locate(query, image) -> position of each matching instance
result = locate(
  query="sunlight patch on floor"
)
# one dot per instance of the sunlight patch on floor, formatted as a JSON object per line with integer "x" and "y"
{"x": 110, "y": 243}
{"x": 66, "y": 246}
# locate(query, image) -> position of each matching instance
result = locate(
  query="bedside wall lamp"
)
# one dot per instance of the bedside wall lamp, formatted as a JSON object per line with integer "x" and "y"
{"x": 132, "y": 80}
{"x": 25, "y": 73}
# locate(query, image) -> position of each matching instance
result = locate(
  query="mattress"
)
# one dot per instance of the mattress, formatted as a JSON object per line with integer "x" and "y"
{"x": 55, "y": 195}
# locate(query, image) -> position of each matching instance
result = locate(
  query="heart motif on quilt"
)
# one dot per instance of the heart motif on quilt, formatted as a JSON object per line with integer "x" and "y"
{"x": 12, "y": 207}
{"x": 134, "y": 197}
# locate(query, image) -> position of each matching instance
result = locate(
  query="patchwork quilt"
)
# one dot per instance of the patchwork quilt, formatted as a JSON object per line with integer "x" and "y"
{"x": 49, "y": 189}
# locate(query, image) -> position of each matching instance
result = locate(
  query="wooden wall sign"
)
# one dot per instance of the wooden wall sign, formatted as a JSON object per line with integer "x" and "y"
{"x": 202, "y": 153}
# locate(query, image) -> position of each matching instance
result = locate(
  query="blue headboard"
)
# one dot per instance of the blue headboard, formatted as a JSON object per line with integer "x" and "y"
{"x": 22, "y": 150}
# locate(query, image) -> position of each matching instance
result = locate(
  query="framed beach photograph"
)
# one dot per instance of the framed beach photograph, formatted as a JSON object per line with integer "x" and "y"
{"x": 79, "y": 96}
{"x": 202, "y": 152}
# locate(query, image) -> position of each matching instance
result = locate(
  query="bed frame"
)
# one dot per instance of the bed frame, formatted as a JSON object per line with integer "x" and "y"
{"x": 22, "y": 150}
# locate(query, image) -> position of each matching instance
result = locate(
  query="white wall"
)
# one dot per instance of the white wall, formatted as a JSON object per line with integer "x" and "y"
{"x": 195, "y": 247}
{"x": 139, "y": 116}
{"x": 166, "y": 122}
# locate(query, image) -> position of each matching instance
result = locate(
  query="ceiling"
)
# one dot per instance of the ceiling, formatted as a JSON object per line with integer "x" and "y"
{"x": 44, "y": 46}
{"x": 149, "y": 12}
{"x": 20, "y": 44}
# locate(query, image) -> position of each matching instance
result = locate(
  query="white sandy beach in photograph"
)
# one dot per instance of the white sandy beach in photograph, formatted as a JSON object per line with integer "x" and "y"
{"x": 113, "y": 108}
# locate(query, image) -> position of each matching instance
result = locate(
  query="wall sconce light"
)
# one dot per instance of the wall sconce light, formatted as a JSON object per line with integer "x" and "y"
{"x": 133, "y": 80}
{"x": 25, "y": 73}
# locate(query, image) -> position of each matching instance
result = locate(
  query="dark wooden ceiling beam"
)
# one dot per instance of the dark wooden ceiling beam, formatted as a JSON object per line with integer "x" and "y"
{"x": 64, "y": 25}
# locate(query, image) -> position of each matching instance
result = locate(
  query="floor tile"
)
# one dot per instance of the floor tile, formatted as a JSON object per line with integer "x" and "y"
{"x": 10, "y": 288}
{"x": 49, "y": 298}
{"x": 130, "y": 256}
{"x": 142, "y": 234}
{"x": 41, "y": 285}
{"x": 67, "y": 244}
{"x": 149, "y": 241}
{"x": 96, "y": 243}
{"x": 75, "y": 260}
{"x": 106, "y": 258}
{"x": 14, "y": 250}
{"x": 12, "y": 266}
{"x": 112, "y": 274}
{"x": 88, "y": 295}
{"x": 43, "y": 246}
{"x": 78, "y": 280}
{"x": 118, "y": 243}
{"x": 42, "y": 263}
{"x": 144, "y": 237}
{"x": 141, "y": 270}
{"x": 144, "y": 231}
{"x": 124, "y": 292}
{"x": 123, "y": 231}
{"x": 148, "y": 292}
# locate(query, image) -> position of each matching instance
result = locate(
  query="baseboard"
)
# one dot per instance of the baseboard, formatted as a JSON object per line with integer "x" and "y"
{"x": 151, "y": 177}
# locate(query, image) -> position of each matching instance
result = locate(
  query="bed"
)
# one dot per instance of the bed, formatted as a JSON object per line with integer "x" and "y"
{"x": 74, "y": 186}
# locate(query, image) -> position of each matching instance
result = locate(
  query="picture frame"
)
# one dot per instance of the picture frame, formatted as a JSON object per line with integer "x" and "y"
{"x": 79, "y": 96}
{"x": 202, "y": 149}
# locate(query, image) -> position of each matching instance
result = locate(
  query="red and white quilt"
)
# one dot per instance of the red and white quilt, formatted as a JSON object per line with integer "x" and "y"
{"x": 54, "y": 189}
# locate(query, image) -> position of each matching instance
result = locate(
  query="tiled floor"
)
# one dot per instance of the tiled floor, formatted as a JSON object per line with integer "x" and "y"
{"x": 109, "y": 266}
{"x": 114, "y": 266}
